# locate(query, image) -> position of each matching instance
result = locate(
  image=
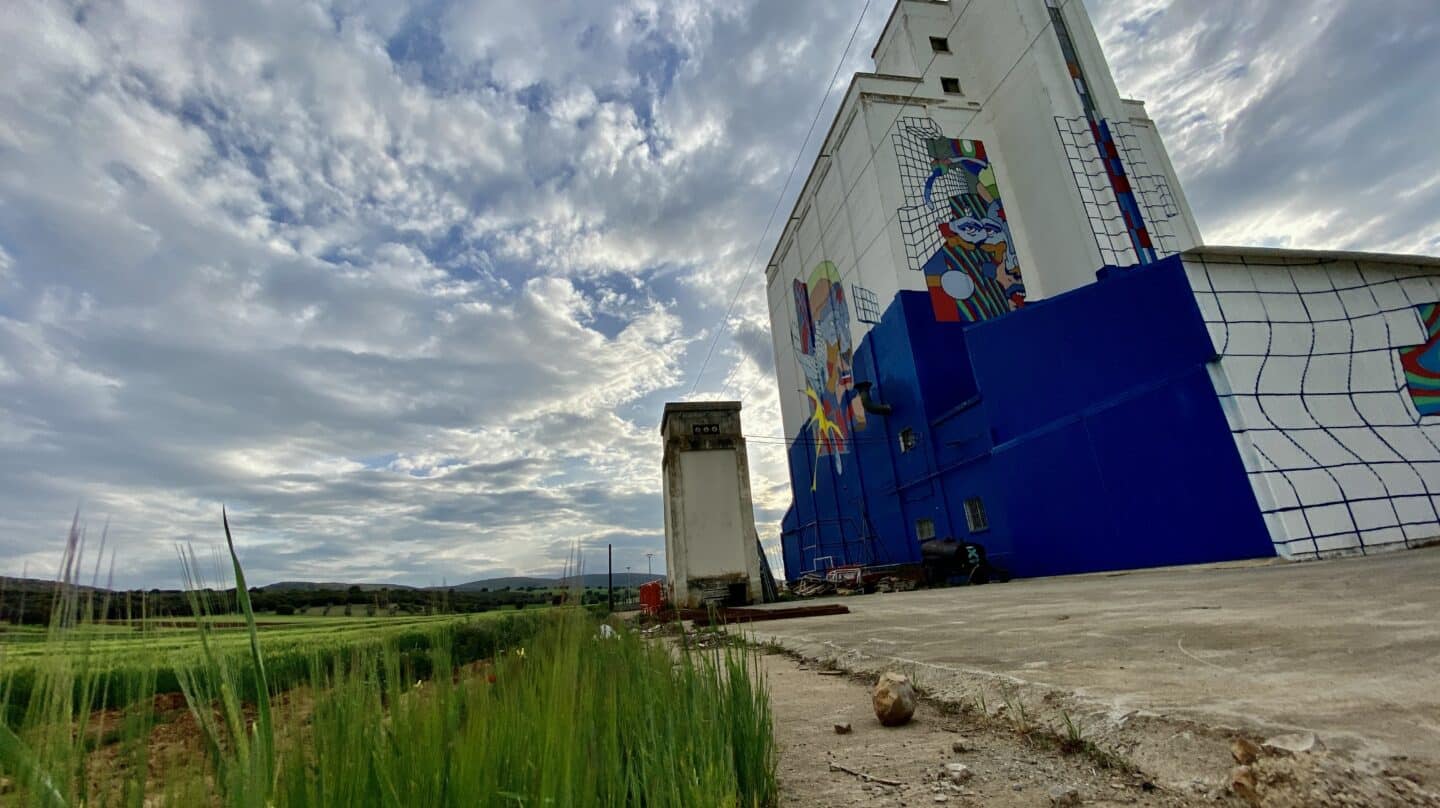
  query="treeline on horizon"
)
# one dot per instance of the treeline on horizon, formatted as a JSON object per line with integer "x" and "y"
{"x": 32, "y": 605}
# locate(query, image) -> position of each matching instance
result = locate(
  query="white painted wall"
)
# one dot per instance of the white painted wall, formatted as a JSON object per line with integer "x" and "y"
{"x": 904, "y": 47}
{"x": 717, "y": 537}
{"x": 1309, "y": 373}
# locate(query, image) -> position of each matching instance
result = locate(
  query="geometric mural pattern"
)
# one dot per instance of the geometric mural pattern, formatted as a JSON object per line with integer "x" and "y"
{"x": 1108, "y": 223}
{"x": 1422, "y": 364}
{"x": 1313, "y": 379}
{"x": 954, "y": 226}
{"x": 919, "y": 220}
{"x": 1102, "y": 158}
{"x": 976, "y": 275}
{"x": 867, "y": 305}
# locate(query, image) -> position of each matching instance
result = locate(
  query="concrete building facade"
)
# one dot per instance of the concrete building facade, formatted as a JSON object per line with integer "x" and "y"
{"x": 711, "y": 546}
{"x": 994, "y": 320}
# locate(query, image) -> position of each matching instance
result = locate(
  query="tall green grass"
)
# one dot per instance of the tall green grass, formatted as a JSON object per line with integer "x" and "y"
{"x": 558, "y": 716}
{"x": 576, "y": 720}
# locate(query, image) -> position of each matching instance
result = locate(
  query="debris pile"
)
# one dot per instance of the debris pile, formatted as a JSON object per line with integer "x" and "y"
{"x": 812, "y": 585}
{"x": 855, "y": 579}
{"x": 891, "y": 583}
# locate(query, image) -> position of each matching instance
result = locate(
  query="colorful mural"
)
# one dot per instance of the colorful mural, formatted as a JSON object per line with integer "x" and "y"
{"x": 975, "y": 275}
{"x": 1422, "y": 364}
{"x": 822, "y": 344}
{"x": 1104, "y": 143}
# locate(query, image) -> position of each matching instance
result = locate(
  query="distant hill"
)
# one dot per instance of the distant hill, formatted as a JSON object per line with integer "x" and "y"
{"x": 514, "y": 582}
{"x": 594, "y": 579}
{"x": 315, "y": 586}
{"x": 34, "y": 584}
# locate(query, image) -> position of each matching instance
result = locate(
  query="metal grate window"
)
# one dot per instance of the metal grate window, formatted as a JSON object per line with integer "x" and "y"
{"x": 975, "y": 518}
{"x": 867, "y": 305}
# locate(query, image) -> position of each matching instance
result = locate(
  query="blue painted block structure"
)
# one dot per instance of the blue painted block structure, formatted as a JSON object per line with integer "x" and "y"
{"x": 1076, "y": 434}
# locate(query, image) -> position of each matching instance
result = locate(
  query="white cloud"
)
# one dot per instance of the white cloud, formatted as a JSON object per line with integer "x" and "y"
{"x": 405, "y": 285}
{"x": 1297, "y": 124}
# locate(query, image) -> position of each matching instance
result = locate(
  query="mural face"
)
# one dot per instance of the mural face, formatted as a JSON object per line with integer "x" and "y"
{"x": 975, "y": 274}
{"x": 822, "y": 343}
{"x": 1422, "y": 364}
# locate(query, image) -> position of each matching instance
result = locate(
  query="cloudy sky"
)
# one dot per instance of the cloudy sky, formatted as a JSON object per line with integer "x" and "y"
{"x": 407, "y": 284}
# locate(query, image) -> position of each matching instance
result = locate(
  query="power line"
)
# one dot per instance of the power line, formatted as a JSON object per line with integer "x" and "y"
{"x": 750, "y": 266}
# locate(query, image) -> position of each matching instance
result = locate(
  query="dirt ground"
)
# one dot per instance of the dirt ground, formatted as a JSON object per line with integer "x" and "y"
{"x": 1016, "y": 756}
{"x": 1007, "y": 769}
{"x": 1010, "y": 767}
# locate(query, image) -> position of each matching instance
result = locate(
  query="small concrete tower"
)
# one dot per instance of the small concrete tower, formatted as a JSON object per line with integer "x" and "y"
{"x": 711, "y": 552}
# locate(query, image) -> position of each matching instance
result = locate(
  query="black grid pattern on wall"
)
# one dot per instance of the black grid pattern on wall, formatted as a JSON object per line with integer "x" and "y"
{"x": 1311, "y": 382}
{"x": 867, "y": 305}
{"x": 920, "y": 223}
{"x": 1152, "y": 191}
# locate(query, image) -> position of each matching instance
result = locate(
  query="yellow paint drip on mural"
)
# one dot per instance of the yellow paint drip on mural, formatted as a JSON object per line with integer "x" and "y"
{"x": 823, "y": 428}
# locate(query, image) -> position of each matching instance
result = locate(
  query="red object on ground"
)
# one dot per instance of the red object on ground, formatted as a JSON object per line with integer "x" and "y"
{"x": 652, "y": 595}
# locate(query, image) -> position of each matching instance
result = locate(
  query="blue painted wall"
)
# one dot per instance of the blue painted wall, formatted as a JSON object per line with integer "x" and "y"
{"x": 1086, "y": 423}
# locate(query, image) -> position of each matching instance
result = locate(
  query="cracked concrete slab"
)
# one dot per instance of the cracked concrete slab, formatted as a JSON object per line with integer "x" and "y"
{"x": 1347, "y": 649}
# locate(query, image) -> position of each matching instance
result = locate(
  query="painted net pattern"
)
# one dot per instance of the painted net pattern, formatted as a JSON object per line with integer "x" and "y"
{"x": 919, "y": 222}
{"x": 867, "y": 305}
{"x": 1107, "y": 221}
{"x": 1313, "y": 380}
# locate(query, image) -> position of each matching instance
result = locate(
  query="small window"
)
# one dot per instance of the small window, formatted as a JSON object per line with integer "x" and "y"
{"x": 950, "y": 85}
{"x": 939, "y": 44}
{"x": 924, "y": 529}
{"x": 908, "y": 440}
{"x": 975, "y": 515}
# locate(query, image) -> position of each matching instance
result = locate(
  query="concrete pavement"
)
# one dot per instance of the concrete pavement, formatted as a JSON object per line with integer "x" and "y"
{"x": 1348, "y": 649}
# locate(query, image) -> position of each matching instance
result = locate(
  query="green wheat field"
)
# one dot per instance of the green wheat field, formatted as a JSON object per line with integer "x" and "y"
{"x": 520, "y": 708}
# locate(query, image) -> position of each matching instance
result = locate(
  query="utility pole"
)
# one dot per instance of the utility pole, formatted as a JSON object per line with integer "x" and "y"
{"x": 648, "y": 572}
{"x": 610, "y": 573}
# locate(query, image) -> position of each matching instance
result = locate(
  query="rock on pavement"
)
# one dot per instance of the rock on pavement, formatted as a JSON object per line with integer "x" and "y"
{"x": 894, "y": 699}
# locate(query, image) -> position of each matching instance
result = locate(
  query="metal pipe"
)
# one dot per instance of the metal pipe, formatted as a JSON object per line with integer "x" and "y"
{"x": 871, "y": 406}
